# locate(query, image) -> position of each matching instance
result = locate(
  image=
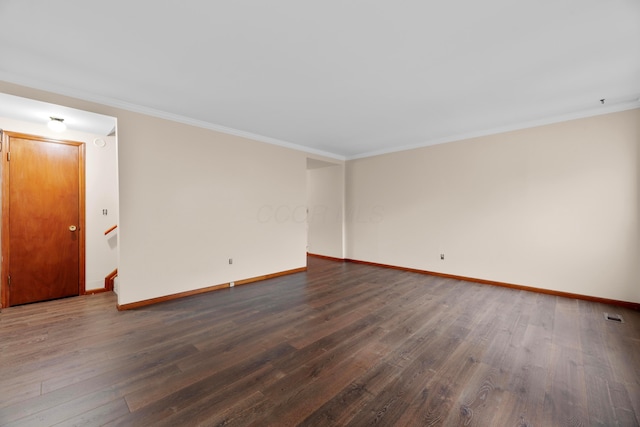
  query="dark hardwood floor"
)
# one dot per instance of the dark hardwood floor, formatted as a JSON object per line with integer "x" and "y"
{"x": 342, "y": 344}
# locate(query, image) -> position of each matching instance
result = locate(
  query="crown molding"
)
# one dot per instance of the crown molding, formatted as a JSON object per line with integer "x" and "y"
{"x": 502, "y": 129}
{"x": 73, "y": 93}
{"x": 110, "y": 102}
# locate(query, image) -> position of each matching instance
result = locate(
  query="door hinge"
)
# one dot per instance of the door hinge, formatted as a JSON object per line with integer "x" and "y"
{"x": 8, "y": 156}
{"x": 9, "y": 280}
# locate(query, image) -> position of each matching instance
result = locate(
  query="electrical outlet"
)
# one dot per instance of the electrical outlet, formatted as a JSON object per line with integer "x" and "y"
{"x": 441, "y": 256}
{"x": 232, "y": 284}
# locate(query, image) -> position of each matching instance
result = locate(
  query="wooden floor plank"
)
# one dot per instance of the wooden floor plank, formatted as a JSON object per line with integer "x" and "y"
{"x": 94, "y": 390}
{"x": 340, "y": 344}
{"x": 99, "y": 416}
{"x": 622, "y": 405}
{"x": 566, "y": 401}
{"x": 189, "y": 396}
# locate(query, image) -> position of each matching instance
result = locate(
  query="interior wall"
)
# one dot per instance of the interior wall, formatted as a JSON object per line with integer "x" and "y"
{"x": 192, "y": 198}
{"x": 553, "y": 207}
{"x": 325, "y": 187}
{"x": 101, "y": 193}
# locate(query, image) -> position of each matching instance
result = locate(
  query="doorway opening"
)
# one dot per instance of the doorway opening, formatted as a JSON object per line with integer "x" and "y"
{"x": 96, "y": 136}
{"x": 325, "y": 208}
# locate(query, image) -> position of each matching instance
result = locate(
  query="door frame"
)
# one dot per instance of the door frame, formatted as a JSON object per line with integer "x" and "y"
{"x": 5, "y": 148}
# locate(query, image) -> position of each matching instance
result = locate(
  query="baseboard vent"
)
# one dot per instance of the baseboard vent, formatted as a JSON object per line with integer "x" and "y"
{"x": 614, "y": 317}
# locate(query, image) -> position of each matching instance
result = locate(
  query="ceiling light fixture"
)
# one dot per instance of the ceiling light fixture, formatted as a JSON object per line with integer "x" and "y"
{"x": 56, "y": 124}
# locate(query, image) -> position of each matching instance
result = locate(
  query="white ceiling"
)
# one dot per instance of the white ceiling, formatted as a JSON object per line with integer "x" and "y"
{"x": 347, "y": 78}
{"x": 29, "y": 110}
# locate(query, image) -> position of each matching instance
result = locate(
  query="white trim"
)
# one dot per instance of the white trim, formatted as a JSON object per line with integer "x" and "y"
{"x": 502, "y": 129}
{"x": 109, "y": 102}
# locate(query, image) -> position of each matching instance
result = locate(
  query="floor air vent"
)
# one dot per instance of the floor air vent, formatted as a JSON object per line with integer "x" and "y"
{"x": 613, "y": 317}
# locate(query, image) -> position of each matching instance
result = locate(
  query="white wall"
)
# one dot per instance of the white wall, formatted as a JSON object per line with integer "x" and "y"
{"x": 192, "y": 198}
{"x": 325, "y": 186}
{"x": 101, "y": 193}
{"x": 553, "y": 207}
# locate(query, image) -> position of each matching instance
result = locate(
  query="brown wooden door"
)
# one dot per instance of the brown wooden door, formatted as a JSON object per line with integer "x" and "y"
{"x": 43, "y": 220}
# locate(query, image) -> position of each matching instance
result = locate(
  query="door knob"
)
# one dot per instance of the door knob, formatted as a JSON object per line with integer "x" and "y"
{"x": 72, "y": 228}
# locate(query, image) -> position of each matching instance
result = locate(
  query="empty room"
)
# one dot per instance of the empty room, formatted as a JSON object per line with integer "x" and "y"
{"x": 334, "y": 213}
